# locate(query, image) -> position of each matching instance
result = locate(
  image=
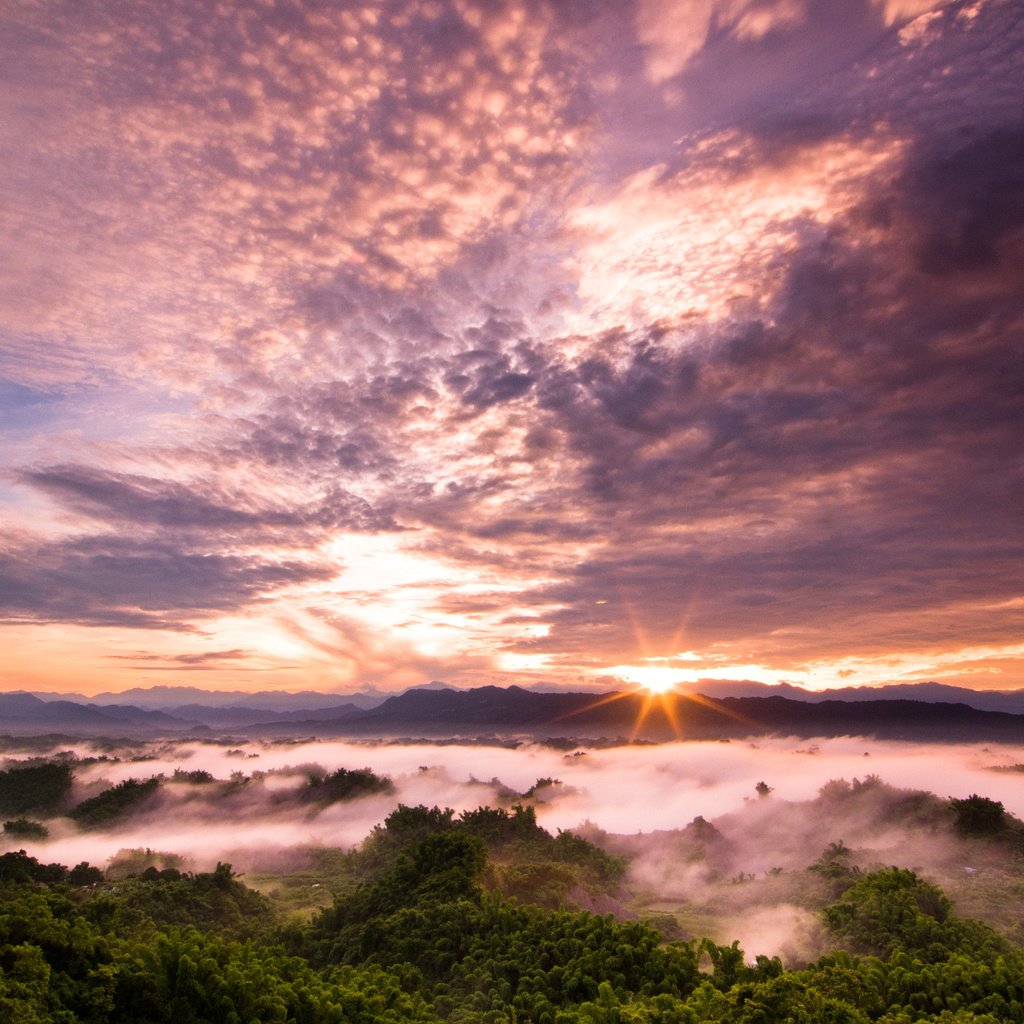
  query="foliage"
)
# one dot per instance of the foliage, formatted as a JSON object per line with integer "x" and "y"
{"x": 420, "y": 939}
{"x": 345, "y": 784}
{"x": 836, "y": 867}
{"x": 105, "y": 809}
{"x": 547, "y": 782}
{"x": 25, "y": 828}
{"x": 527, "y": 861}
{"x": 37, "y": 788}
{"x": 135, "y": 861}
{"x": 54, "y": 965}
{"x": 895, "y": 910}
{"x": 20, "y": 867}
{"x": 59, "y": 963}
{"x": 207, "y": 901}
{"x": 979, "y": 816}
{"x": 196, "y": 777}
{"x": 908, "y": 806}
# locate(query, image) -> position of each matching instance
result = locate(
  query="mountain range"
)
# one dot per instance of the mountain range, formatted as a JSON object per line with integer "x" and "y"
{"x": 1011, "y": 701}
{"x": 183, "y": 701}
{"x": 173, "y": 698}
{"x": 440, "y": 712}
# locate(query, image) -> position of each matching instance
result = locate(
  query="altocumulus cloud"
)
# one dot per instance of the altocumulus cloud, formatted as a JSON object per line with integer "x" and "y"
{"x": 600, "y": 331}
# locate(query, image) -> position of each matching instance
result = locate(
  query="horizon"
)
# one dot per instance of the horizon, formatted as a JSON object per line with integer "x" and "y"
{"x": 681, "y": 690}
{"x": 348, "y": 347}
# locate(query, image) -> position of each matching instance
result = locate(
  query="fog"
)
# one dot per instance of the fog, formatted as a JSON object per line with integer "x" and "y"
{"x": 635, "y": 800}
{"x": 629, "y": 789}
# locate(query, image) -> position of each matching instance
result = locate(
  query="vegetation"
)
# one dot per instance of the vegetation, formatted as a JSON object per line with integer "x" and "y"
{"x": 196, "y": 777}
{"x": 25, "y": 828}
{"x": 524, "y": 860}
{"x": 104, "y": 810}
{"x": 474, "y": 918}
{"x": 979, "y": 816}
{"x": 36, "y": 788}
{"x": 429, "y": 934}
{"x": 344, "y": 784}
{"x": 19, "y": 867}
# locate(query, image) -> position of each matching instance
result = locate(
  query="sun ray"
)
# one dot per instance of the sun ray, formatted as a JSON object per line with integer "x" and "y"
{"x": 671, "y": 708}
{"x": 707, "y": 702}
{"x": 677, "y": 637}
{"x": 606, "y": 699}
{"x": 638, "y": 722}
{"x": 668, "y": 704}
{"x": 639, "y": 635}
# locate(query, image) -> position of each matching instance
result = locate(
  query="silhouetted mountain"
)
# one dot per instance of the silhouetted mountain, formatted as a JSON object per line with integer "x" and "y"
{"x": 240, "y": 716}
{"x": 173, "y": 699}
{"x": 1011, "y": 701}
{"x": 242, "y": 708}
{"x": 515, "y": 711}
{"x": 23, "y": 714}
{"x": 19, "y": 703}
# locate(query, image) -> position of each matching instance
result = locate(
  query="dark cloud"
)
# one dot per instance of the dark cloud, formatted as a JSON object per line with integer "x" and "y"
{"x": 493, "y": 384}
{"x": 855, "y": 460}
{"x": 150, "y": 502}
{"x": 215, "y": 661}
{"x": 199, "y": 661}
{"x": 345, "y": 428}
{"x": 118, "y": 582}
{"x": 734, "y": 69}
{"x": 642, "y": 320}
{"x": 971, "y": 203}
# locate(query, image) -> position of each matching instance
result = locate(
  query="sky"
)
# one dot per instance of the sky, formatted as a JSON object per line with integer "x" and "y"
{"x": 355, "y": 345}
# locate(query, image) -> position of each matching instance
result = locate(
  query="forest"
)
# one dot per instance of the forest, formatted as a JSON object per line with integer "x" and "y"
{"x": 484, "y": 915}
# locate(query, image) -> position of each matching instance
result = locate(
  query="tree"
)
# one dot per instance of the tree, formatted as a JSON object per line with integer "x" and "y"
{"x": 979, "y": 816}
{"x": 895, "y": 910}
{"x": 24, "y": 828}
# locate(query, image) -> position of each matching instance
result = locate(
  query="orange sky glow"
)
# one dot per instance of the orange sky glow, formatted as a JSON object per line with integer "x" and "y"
{"x": 360, "y": 345}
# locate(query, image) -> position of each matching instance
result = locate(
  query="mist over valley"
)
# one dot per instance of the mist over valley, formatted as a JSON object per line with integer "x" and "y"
{"x": 726, "y": 826}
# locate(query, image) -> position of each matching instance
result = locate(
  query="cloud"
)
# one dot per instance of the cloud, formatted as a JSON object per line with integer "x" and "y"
{"x": 970, "y": 206}
{"x": 147, "y": 502}
{"x": 678, "y": 35}
{"x": 644, "y": 796}
{"x": 449, "y": 334}
{"x": 200, "y": 661}
{"x": 287, "y": 164}
{"x": 848, "y": 459}
{"x": 109, "y": 581}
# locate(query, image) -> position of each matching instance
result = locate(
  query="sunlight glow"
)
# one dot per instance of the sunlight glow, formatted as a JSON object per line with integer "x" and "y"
{"x": 651, "y": 678}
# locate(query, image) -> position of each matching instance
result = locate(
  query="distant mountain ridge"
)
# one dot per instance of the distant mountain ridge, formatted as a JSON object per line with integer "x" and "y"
{"x": 438, "y": 712}
{"x": 24, "y": 714}
{"x": 1011, "y": 701}
{"x": 514, "y": 711}
{"x": 175, "y": 700}
{"x": 172, "y": 698}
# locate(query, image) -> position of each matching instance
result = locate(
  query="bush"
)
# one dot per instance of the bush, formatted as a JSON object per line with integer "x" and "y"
{"x": 25, "y": 828}
{"x": 103, "y": 810}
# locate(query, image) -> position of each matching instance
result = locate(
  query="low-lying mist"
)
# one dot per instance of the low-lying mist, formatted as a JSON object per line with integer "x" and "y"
{"x": 729, "y": 827}
{"x": 629, "y": 789}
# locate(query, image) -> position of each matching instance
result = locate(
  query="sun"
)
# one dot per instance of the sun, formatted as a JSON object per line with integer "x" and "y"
{"x": 659, "y": 686}
{"x": 654, "y": 679}
{"x": 656, "y": 691}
